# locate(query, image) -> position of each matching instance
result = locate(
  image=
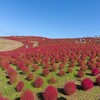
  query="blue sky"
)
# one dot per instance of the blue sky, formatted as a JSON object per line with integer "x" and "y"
{"x": 50, "y": 18}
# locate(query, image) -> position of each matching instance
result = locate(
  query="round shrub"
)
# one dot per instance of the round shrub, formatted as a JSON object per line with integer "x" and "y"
{"x": 50, "y": 93}
{"x": 38, "y": 82}
{"x": 70, "y": 88}
{"x": 3, "y": 98}
{"x": 26, "y": 70}
{"x": 52, "y": 80}
{"x": 98, "y": 64}
{"x": 36, "y": 67}
{"x": 11, "y": 72}
{"x": 87, "y": 84}
{"x": 45, "y": 72}
{"x": 61, "y": 72}
{"x": 98, "y": 80}
{"x": 92, "y": 66}
{"x": 30, "y": 76}
{"x": 27, "y": 95}
{"x": 71, "y": 65}
{"x": 69, "y": 70}
{"x": 61, "y": 66}
{"x": 83, "y": 68}
{"x": 95, "y": 71}
{"x": 13, "y": 80}
{"x": 54, "y": 68}
{"x": 80, "y": 74}
{"x": 20, "y": 86}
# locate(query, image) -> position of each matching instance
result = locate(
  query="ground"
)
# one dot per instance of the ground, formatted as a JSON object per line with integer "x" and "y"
{"x": 8, "y": 45}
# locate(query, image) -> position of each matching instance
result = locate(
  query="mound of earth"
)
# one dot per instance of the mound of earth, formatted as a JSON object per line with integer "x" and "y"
{"x": 9, "y": 45}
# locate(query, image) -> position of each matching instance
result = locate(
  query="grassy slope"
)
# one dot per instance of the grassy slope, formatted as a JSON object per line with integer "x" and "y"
{"x": 9, "y": 90}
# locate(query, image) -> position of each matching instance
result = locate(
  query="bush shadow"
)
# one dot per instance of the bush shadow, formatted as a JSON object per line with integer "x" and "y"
{"x": 61, "y": 98}
{"x": 40, "y": 96}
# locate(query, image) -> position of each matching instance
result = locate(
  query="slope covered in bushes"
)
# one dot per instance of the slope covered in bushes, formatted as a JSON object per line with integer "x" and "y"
{"x": 65, "y": 67}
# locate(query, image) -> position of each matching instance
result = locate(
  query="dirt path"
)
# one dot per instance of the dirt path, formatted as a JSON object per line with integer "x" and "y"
{"x": 8, "y": 45}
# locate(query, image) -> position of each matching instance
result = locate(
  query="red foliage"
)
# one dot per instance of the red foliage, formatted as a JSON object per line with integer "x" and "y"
{"x": 50, "y": 93}
{"x": 47, "y": 65}
{"x": 98, "y": 80}
{"x": 11, "y": 72}
{"x": 98, "y": 64}
{"x": 61, "y": 72}
{"x": 52, "y": 62}
{"x": 92, "y": 66}
{"x": 3, "y": 98}
{"x": 20, "y": 86}
{"x": 70, "y": 88}
{"x": 80, "y": 62}
{"x": 69, "y": 70}
{"x": 83, "y": 68}
{"x": 25, "y": 70}
{"x": 95, "y": 71}
{"x": 13, "y": 80}
{"x": 54, "y": 68}
{"x": 4, "y": 63}
{"x": 87, "y": 84}
{"x": 35, "y": 67}
{"x": 38, "y": 82}
{"x": 72, "y": 65}
{"x": 80, "y": 74}
{"x": 27, "y": 95}
{"x": 61, "y": 66}
{"x": 52, "y": 80}
{"x": 45, "y": 72}
{"x": 57, "y": 59}
{"x": 30, "y": 76}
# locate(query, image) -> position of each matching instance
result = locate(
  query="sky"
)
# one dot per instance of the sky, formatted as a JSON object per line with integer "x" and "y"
{"x": 50, "y": 18}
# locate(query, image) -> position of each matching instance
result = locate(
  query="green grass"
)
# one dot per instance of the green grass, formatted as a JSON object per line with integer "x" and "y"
{"x": 9, "y": 90}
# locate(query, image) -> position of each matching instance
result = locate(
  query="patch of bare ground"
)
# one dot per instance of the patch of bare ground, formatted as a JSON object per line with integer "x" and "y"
{"x": 9, "y": 45}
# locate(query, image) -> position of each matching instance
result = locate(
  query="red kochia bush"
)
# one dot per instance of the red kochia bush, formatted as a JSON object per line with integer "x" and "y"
{"x": 83, "y": 68}
{"x": 20, "y": 86}
{"x": 61, "y": 72}
{"x": 27, "y": 95}
{"x": 95, "y": 71}
{"x": 71, "y": 65}
{"x": 13, "y": 80}
{"x": 35, "y": 67}
{"x": 45, "y": 72}
{"x": 2, "y": 98}
{"x": 70, "y": 88}
{"x": 52, "y": 80}
{"x": 61, "y": 66}
{"x": 98, "y": 80}
{"x": 11, "y": 72}
{"x": 87, "y": 84}
{"x": 98, "y": 64}
{"x": 38, "y": 82}
{"x": 25, "y": 70}
{"x": 69, "y": 70}
{"x": 50, "y": 93}
{"x": 54, "y": 68}
{"x": 80, "y": 74}
{"x": 30, "y": 76}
